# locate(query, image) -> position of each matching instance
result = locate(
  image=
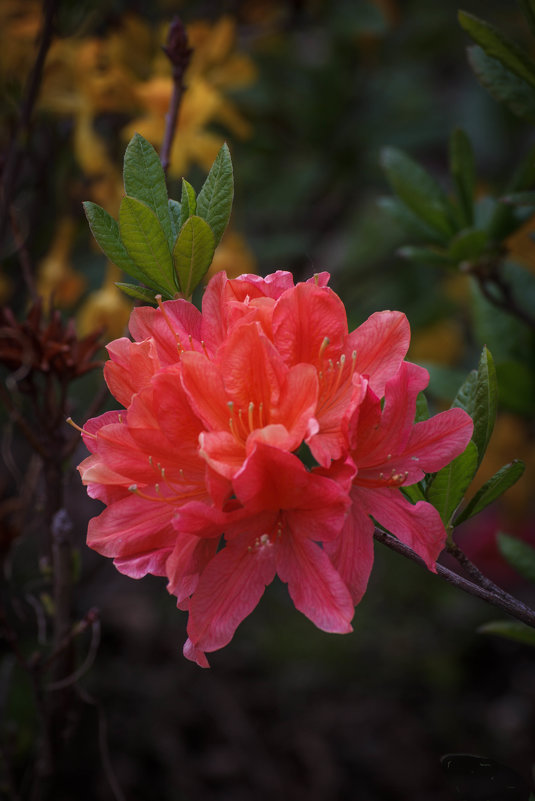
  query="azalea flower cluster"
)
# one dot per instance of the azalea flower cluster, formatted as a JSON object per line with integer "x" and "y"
{"x": 201, "y": 473}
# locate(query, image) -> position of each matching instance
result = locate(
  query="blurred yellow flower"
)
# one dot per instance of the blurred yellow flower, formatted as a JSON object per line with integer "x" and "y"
{"x": 56, "y": 278}
{"x": 106, "y": 308}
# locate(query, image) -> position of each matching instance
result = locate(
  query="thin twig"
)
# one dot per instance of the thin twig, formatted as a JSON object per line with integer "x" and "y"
{"x": 103, "y": 743}
{"x": 473, "y": 571}
{"x": 21, "y": 422}
{"x": 177, "y": 51}
{"x": 503, "y": 600}
{"x": 24, "y": 256}
{"x": 14, "y": 153}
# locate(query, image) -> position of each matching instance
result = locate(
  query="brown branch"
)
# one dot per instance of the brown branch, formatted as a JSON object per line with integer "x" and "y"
{"x": 22, "y": 424}
{"x": 177, "y": 51}
{"x": 14, "y": 153}
{"x": 502, "y": 600}
{"x": 473, "y": 571}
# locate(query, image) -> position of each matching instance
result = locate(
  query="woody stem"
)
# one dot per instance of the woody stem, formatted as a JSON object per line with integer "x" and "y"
{"x": 179, "y": 54}
{"x": 496, "y": 597}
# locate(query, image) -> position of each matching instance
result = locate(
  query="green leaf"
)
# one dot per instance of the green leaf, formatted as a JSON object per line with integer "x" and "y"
{"x": 146, "y": 243}
{"x": 510, "y": 630}
{"x": 188, "y": 202}
{"x": 518, "y": 554}
{"x": 214, "y": 203}
{"x": 466, "y": 394}
{"x": 503, "y": 85}
{"x": 174, "y": 213}
{"x": 106, "y": 232}
{"x": 485, "y": 402}
{"x": 193, "y": 252}
{"x": 414, "y": 493}
{"x": 417, "y": 189}
{"x": 462, "y": 168}
{"x": 411, "y": 226}
{"x": 425, "y": 255}
{"x": 492, "y": 489}
{"x": 496, "y": 45}
{"x": 449, "y": 485}
{"x": 422, "y": 408}
{"x": 138, "y": 292}
{"x": 144, "y": 179}
{"x": 468, "y": 245}
{"x": 528, "y": 7}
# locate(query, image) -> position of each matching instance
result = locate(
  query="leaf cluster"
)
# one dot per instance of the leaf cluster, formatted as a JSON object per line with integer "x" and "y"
{"x": 445, "y": 490}
{"x": 166, "y": 245}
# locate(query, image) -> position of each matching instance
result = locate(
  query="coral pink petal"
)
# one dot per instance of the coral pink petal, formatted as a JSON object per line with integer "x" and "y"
{"x": 299, "y": 399}
{"x": 186, "y": 562}
{"x": 131, "y": 367}
{"x": 376, "y": 445}
{"x": 352, "y": 551}
{"x": 222, "y": 452}
{"x": 252, "y": 370}
{"x": 435, "y": 442}
{"x": 132, "y": 526}
{"x": 381, "y": 344}
{"x": 274, "y": 479}
{"x": 419, "y": 526}
{"x": 272, "y": 286}
{"x": 153, "y": 563}
{"x": 315, "y": 587}
{"x": 175, "y": 321}
{"x": 204, "y": 386}
{"x": 303, "y": 317}
{"x": 319, "y": 279}
{"x": 214, "y": 323}
{"x": 229, "y": 589}
{"x": 195, "y": 654}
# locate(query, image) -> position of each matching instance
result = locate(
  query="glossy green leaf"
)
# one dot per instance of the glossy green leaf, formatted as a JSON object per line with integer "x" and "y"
{"x": 510, "y": 630}
{"x": 411, "y": 226}
{"x": 174, "y": 213}
{"x": 146, "y": 243}
{"x": 485, "y": 401}
{"x": 518, "y": 554}
{"x": 414, "y": 493}
{"x": 492, "y": 489}
{"x": 497, "y": 45}
{"x": 422, "y": 408}
{"x": 106, "y": 232}
{"x": 144, "y": 179}
{"x": 214, "y": 203}
{"x": 188, "y": 202}
{"x": 462, "y": 168}
{"x": 468, "y": 245}
{"x": 417, "y": 189}
{"x": 193, "y": 253}
{"x": 449, "y": 485}
{"x": 466, "y": 394}
{"x": 138, "y": 292}
{"x": 502, "y": 84}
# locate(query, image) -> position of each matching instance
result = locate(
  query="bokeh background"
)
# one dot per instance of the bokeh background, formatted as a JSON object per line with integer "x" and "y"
{"x": 306, "y": 93}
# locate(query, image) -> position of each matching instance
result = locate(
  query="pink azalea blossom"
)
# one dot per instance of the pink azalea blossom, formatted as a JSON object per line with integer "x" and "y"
{"x": 199, "y": 472}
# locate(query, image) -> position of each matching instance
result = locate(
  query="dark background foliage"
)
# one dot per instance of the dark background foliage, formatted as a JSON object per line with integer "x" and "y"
{"x": 286, "y": 711}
